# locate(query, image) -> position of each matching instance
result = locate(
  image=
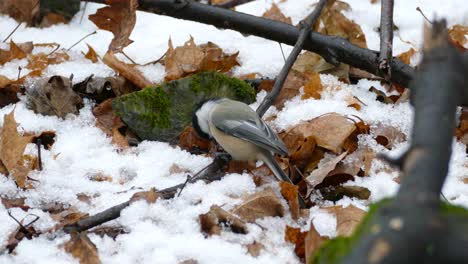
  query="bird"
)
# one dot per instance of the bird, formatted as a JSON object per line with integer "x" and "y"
{"x": 240, "y": 131}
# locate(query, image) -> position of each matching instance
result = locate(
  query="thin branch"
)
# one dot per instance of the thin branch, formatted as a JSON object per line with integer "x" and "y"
{"x": 13, "y": 31}
{"x": 386, "y": 37}
{"x": 305, "y": 26}
{"x": 90, "y": 34}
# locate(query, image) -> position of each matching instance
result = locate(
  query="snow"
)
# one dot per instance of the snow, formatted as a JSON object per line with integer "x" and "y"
{"x": 169, "y": 231}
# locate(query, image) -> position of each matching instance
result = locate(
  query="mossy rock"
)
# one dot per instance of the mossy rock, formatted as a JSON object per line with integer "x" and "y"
{"x": 162, "y": 112}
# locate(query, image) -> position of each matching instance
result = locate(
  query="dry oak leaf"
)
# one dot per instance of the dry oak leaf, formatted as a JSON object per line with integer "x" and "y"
{"x": 347, "y": 218}
{"x": 211, "y": 223}
{"x": 21, "y": 10}
{"x": 16, "y": 51}
{"x": 296, "y": 237}
{"x": 82, "y": 248}
{"x": 406, "y": 56}
{"x": 91, "y": 54}
{"x": 126, "y": 70}
{"x": 329, "y": 131}
{"x": 119, "y": 18}
{"x": 325, "y": 166}
{"x": 259, "y": 205}
{"x": 12, "y": 151}
{"x": 274, "y": 13}
{"x": 290, "y": 192}
{"x": 312, "y": 242}
{"x": 190, "y": 58}
{"x": 333, "y": 22}
{"x": 38, "y": 62}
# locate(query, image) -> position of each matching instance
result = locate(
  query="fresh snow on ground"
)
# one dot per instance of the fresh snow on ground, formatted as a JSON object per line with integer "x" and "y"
{"x": 169, "y": 231}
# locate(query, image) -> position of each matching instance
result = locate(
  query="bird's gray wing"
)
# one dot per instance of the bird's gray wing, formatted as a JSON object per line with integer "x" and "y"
{"x": 255, "y": 131}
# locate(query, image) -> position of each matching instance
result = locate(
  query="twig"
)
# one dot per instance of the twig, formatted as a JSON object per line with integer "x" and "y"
{"x": 84, "y": 11}
{"x": 19, "y": 72}
{"x": 126, "y": 56}
{"x": 183, "y": 186}
{"x": 305, "y": 25}
{"x": 12, "y": 32}
{"x": 39, "y": 156}
{"x": 157, "y": 60}
{"x": 386, "y": 38}
{"x": 90, "y": 34}
{"x": 425, "y": 17}
{"x": 282, "y": 51}
{"x": 232, "y": 3}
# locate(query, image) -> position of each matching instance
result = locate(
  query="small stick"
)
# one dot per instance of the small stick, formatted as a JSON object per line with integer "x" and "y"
{"x": 84, "y": 11}
{"x": 39, "y": 156}
{"x": 386, "y": 38}
{"x": 156, "y": 61}
{"x": 306, "y": 25}
{"x": 185, "y": 184}
{"x": 425, "y": 17}
{"x": 282, "y": 52}
{"x": 19, "y": 73}
{"x": 92, "y": 33}
{"x": 126, "y": 56}
{"x": 12, "y": 32}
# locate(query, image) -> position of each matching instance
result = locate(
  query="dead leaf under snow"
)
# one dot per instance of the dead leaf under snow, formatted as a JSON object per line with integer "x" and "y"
{"x": 53, "y": 96}
{"x": 119, "y": 18}
{"x": 325, "y": 166}
{"x": 347, "y": 218}
{"x": 126, "y": 70}
{"x": 274, "y": 13}
{"x": 12, "y": 151}
{"x": 213, "y": 221}
{"x": 82, "y": 248}
{"x": 329, "y": 131}
{"x": 259, "y": 205}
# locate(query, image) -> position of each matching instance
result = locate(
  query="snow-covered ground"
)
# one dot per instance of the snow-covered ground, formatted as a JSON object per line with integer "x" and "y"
{"x": 169, "y": 231}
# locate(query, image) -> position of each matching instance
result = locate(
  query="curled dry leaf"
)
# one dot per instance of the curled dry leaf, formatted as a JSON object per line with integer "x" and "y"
{"x": 212, "y": 222}
{"x": 296, "y": 237}
{"x": 312, "y": 242}
{"x": 290, "y": 192}
{"x": 406, "y": 56}
{"x": 53, "y": 96}
{"x": 347, "y": 218}
{"x": 387, "y": 136}
{"x": 259, "y": 205}
{"x": 457, "y": 35}
{"x": 126, "y": 70}
{"x": 274, "y": 13}
{"x": 150, "y": 196}
{"x": 119, "y": 18}
{"x": 21, "y": 10}
{"x": 190, "y": 58}
{"x": 329, "y": 131}
{"x": 325, "y": 166}
{"x": 82, "y": 248}
{"x": 12, "y": 152}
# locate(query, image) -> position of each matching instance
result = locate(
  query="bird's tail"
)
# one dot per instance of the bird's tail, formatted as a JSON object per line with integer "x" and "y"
{"x": 278, "y": 172}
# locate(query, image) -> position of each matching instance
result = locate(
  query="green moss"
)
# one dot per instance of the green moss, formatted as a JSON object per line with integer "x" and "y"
{"x": 335, "y": 249}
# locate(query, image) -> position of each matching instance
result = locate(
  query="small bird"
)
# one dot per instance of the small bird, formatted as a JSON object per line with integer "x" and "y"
{"x": 241, "y": 132}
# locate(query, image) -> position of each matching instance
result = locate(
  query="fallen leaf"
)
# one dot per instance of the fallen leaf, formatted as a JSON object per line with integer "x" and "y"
{"x": 150, "y": 196}
{"x": 53, "y": 96}
{"x": 82, "y": 248}
{"x": 313, "y": 87}
{"x": 274, "y": 13}
{"x": 290, "y": 192}
{"x": 347, "y": 218}
{"x": 14, "y": 202}
{"x": 457, "y": 35}
{"x": 110, "y": 123}
{"x": 12, "y": 151}
{"x": 126, "y": 70}
{"x": 21, "y": 10}
{"x": 381, "y": 96}
{"x": 192, "y": 142}
{"x": 325, "y": 166}
{"x": 296, "y": 237}
{"x": 335, "y": 193}
{"x": 16, "y": 52}
{"x": 190, "y": 58}
{"x": 255, "y": 248}
{"x": 8, "y": 91}
{"x": 259, "y": 205}
{"x": 211, "y": 223}
{"x": 38, "y": 62}
{"x": 19, "y": 234}
{"x": 329, "y": 130}
{"x": 99, "y": 177}
{"x": 387, "y": 136}
{"x": 461, "y": 132}
{"x": 301, "y": 155}
{"x": 405, "y": 57}
{"x": 119, "y": 18}
{"x": 308, "y": 62}
{"x": 312, "y": 242}
{"x": 91, "y": 54}
{"x": 110, "y": 231}
{"x": 67, "y": 217}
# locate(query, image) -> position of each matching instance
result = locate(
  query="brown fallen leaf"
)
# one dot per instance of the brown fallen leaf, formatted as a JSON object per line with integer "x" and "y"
{"x": 110, "y": 123}
{"x": 387, "y": 136}
{"x": 259, "y": 205}
{"x": 325, "y": 166}
{"x": 38, "y": 62}
{"x": 335, "y": 193}
{"x": 457, "y": 35}
{"x": 53, "y": 96}
{"x": 150, "y": 196}
{"x": 312, "y": 242}
{"x": 255, "y": 248}
{"x": 119, "y": 18}
{"x": 8, "y": 91}
{"x": 461, "y": 132}
{"x": 347, "y": 218}
{"x": 91, "y": 54}
{"x": 190, "y": 58}
{"x": 16, "y": 52}
{"x": 329, "y": 130}
{"x": 274, "y": 13}
{"x": 211, "y": 223}
{"x": 290, "y": 192}
{"x": 297, "y": 238}
{"x": 406, "y": 56}
{"x": 12, "y": 152}
{"x": 313, "y": 87}
{"x": 126, "y": 70}
{"x": 67, "y": 217}
{"x": 21, "y": 10}
{"x": 191, "y": 141}
{"x": 82, "y": 248}
{"x": 14, "y": 202}
{"x": 308, "y": 62}
{"x": 26, "y": 231}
